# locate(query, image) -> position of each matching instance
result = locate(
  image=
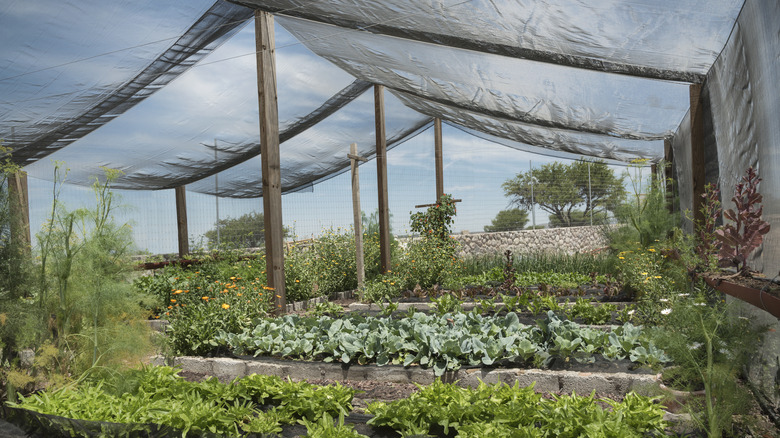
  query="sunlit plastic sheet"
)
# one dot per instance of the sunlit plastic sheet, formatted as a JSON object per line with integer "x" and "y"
{"x": 743, "y": 87}
{"x": 320, "y": 152}
{"x": 520, "y": 90}
{"x": 74, "y": 66}
{"x": 582, "y": 143}
{"x": 536, "y": 150}
{"x": 172, "y": 134}
{"x": 670, "y": 39}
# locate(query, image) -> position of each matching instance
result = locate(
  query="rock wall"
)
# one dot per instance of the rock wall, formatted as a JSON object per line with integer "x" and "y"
{"x": 567, "y": 240}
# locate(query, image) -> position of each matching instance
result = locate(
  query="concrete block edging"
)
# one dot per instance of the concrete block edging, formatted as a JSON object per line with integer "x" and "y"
{"x": 547, "y": 381}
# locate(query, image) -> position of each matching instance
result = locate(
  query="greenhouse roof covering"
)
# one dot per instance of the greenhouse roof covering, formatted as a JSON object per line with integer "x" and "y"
{"x": 166, "y": 90}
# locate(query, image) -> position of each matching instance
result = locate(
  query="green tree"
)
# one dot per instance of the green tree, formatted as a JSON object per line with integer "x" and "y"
{"x": 579, "y": 219}
{"x": 560, "y": 189}
{"x": 508, "y": 220}
{"x": 247, "y": 231}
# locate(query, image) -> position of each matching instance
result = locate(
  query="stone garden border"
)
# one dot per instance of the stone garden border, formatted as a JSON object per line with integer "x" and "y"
{"x": 546, "y": 381}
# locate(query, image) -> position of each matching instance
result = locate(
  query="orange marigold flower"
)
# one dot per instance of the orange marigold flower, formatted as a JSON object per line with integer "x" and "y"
{"x": 172, "y": 300}
{"x": 205, "y": 298}
{"x": 225, "y": 306}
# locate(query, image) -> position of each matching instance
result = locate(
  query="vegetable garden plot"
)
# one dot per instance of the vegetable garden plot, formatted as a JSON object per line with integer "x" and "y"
{"x": 158, "y": 402}
{"x": 445, "y": 342}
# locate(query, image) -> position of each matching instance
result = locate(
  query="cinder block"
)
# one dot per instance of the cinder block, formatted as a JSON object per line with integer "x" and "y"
{"x": 267, "y": 368}
{"x": 543, "y": 381}
{"x": 226, "y": 369}
{"x": 471, "y": 377}
{"x": 193, "y": 364}
{"x": 585, "y": 383}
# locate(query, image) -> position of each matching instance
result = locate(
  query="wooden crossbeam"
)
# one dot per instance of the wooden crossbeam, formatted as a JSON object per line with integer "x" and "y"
{"x": 435, "y": 204}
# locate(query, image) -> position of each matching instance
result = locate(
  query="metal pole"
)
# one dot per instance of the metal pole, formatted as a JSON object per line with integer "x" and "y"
{"x": 216, "y": 191}
{"x": 590, "y": 196}
{"x": 533, "y": 207}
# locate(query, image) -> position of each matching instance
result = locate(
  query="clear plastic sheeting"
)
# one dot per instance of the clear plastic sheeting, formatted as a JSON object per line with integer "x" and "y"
{"x": 666, "y": 39}
{"x": 94, "y": 62}
{"x": 515, "y": 89}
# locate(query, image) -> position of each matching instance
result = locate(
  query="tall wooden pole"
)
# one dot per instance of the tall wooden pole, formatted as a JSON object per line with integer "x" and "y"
{"x": 181, "y": 221}
{"x": 381, "y": 175}
{"x": 269, "y": 154}
{"x": 357, "y": 216}
{"x": 439, "y": 158}
{"x": 20, "y": 207}
{"x": 697, "y": 152}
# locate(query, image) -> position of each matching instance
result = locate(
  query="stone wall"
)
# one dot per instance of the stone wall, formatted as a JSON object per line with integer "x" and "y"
{"x": 566, "y": 240}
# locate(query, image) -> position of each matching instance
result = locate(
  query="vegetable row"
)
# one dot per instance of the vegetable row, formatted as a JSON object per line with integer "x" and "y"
{"x": 442, "y": 342}
{"x": 158, "y": 401}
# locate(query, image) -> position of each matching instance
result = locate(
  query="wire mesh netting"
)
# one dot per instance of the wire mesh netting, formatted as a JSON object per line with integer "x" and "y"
{"x": 475, "y": 175}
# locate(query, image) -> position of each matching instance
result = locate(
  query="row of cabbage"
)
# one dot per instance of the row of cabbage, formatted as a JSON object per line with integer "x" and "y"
{"x": 442, "y": 342}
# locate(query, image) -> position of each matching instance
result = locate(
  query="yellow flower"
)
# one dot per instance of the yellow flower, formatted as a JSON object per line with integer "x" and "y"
{"x": 644, "y": 273}
{"x": 178, "y": 291}
{"x": 205, "y": 298}
{"x": 622, "y": 258}
{"x": 651, "y": 249}
{"x": 225, "y": 306}
{"x": 172, "y": 300}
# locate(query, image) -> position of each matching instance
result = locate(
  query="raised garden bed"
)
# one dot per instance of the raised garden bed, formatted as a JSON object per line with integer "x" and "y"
{"x": 266, "y": 406}
{"x": 442, "y": 342}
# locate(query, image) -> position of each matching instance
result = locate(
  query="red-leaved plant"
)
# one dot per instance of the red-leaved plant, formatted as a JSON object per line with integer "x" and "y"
{"x": 745, "y": 234}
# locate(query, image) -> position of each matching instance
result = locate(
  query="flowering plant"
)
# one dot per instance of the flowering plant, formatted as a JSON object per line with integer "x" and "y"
{"x": 435, "y": 222}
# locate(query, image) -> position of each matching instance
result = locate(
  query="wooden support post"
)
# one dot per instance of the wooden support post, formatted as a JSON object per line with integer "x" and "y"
{"x": 381, "y": 176}
{"x": 269, "y": 153}
{"x": 358, "y": 217}
{"x": 181, "y": 221}
{"x": 439, "y": 158}
{"x": 20, "y": 208}
{"x": 697, "y": 152}
{"x": 669, "y": 175}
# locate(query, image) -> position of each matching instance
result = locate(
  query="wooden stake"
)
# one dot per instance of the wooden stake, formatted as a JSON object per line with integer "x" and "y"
{"x": 181, "y": 221}
{"x": 381, "y": 175}
{"x": 439, "y": 158}
{"x": 269, "y": 153}
{"x": 357, "y": 216}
